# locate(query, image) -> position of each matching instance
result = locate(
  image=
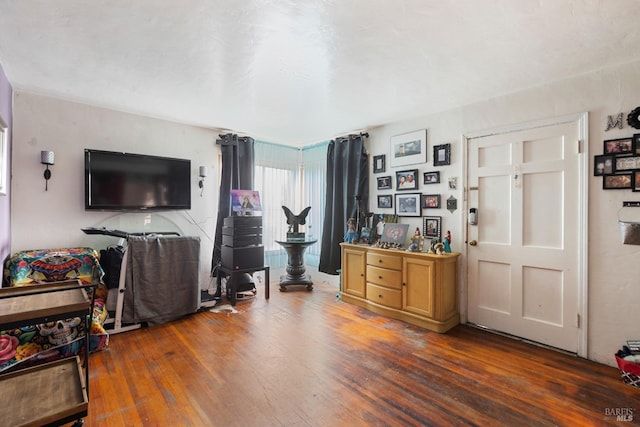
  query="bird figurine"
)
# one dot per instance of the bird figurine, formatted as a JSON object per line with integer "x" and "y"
{"x": 296, "y": 220}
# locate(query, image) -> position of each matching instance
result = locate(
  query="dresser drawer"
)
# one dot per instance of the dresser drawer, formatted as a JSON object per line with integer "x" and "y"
{"x": 393, "y": 262}
{"x": 384, "y": 277}
{"x": 384, "y": 296}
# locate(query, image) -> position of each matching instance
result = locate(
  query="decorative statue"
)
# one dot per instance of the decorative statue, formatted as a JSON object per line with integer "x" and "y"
{"x": 351, "y": 233}
{"x": 380, "y": 227}
{"x": 417, "y": 242}
{"x": 447, "y": 242}
{"x": 295, "y": 221}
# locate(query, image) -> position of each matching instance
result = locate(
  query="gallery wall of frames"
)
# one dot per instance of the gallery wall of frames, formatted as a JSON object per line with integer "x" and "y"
{"x": 404, "y": 187}
{"x": 619, "y": 164}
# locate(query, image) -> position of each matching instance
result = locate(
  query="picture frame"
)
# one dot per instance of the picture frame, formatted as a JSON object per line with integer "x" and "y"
{"x": 408, "y": 205}
{"x": 627, "y": 163}
{"x": 636, "y": 144}
{"x": 430, "y": 201}
{"x": 431, "y": 177}
{"x": 408, "y": 149}
{"x": 385, "y": 201}
{"x": 618, "y": 146}
{"x": 442, "y": 155}
{"x": 636, "y": 181}
{"x": 603, "y": 164}
{"x": 394, "y": 233}
{"x": 379, "y": 163}
{"x": 384, "y": 183}
{"x": 431, "y": 227}
{"x": 407, "y": 180}
{"x": 617, "y": 182}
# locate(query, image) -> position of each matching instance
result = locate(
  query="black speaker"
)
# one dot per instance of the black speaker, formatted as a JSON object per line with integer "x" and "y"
{"x": 243, "y": 257}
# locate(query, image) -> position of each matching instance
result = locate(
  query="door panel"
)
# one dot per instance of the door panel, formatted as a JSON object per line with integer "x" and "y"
{"x": 523, "y": 272}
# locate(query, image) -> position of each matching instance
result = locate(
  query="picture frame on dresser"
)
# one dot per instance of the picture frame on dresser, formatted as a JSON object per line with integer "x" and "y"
{"x": 431, "y": 227}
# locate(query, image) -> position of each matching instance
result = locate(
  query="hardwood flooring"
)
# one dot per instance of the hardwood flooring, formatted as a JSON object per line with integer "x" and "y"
{"x": 307, "y": 359}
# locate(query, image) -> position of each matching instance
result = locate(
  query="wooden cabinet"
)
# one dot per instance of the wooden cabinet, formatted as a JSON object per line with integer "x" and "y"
{"x": 417, "y": 288}
{"x": 62, "y": 386}
{"x": 353, "y": 270}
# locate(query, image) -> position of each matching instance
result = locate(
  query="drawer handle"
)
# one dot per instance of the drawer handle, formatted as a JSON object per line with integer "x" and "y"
{"x": 380, "y": 277}
{"x": 380, "y": 261}
{"x": 379, "y": 296}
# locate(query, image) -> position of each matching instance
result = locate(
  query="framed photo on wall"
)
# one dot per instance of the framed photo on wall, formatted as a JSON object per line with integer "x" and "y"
{"x": 385, "y": 201}
{"x": 379, "y": 163}
{"x": 408, "y": 204}
{"x": 616, "y": 182}
{"x": 431, "y": 177}
{"x": 409, "y": 148}
{"x": 603, "y": 165}
{"x": 431, "y": 226}
{"x": 636, "y": 144}
{"x": 407, "y": 180}
{"x": 442, "y": 155}
{"x": 618, "y": 146}
{"x": 430, "y": 201}
{"x": 384, "y": 183}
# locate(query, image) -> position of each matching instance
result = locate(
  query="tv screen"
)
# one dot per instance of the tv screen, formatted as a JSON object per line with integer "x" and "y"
{"x": 117, "y": 181}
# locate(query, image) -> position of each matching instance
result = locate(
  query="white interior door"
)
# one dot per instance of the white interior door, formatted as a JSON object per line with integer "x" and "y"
{"x": 524, "y": 253}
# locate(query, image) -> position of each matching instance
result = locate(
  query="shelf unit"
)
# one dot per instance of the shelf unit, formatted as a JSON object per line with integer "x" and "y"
{"x": 62, "y": 386}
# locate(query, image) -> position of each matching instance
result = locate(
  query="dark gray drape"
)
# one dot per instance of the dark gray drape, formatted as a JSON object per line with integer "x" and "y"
{"x": 238, "y": 161}
{"x": 347, "y": 186}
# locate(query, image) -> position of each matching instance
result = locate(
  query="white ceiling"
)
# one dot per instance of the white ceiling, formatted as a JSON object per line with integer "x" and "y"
{"x": 299, "y": 72}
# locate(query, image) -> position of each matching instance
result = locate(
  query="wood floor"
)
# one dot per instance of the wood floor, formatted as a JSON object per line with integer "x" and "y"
{"x": 307, "y": 359}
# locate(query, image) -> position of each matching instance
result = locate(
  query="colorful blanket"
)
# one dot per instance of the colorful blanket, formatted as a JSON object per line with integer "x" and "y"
{"x": 49, "y": 341}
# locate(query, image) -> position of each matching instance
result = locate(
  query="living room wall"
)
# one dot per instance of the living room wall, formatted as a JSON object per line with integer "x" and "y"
{"x": 54, "y": 218}
{"x": 613, "y": 269}
{"x": 5, "y": 200}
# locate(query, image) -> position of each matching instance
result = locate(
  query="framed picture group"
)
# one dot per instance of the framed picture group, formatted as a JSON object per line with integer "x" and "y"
{"x": 619, "y": 165}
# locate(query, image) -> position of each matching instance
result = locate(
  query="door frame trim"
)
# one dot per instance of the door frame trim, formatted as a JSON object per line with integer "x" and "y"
{"x": 582, "y": 120}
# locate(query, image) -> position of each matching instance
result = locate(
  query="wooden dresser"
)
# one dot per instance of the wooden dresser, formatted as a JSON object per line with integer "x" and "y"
{"x": 418, "y": 288}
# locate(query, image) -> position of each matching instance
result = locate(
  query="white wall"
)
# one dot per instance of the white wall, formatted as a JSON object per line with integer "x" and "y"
{"x": 613, "y": 268}
{"x": 54, "y": 218}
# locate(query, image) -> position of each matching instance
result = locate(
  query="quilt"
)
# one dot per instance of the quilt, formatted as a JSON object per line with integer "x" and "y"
{"x": 49, "y": 341}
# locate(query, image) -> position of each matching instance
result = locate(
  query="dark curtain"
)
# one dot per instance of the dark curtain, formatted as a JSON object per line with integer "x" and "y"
{"x": 347, "y": 194}
{"x": 238, "y": 162}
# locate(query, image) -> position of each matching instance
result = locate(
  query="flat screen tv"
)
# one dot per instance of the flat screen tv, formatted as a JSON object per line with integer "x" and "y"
{"x": 116, "y": 181}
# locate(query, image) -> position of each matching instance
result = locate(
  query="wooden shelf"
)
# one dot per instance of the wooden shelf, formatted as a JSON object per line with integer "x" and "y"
{"x": 42, "y": 303}
{"x": 43, "y": 394}
{"x": 54, "y": 393}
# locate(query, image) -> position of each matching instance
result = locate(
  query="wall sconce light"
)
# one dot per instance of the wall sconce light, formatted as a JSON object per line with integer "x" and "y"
{"x": 203, "y": 174}
{"x": 47, "y": 158}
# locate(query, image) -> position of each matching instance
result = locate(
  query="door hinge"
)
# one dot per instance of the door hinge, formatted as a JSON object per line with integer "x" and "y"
{"x": 580, "y": 146}
{"x": 578, "y": 320}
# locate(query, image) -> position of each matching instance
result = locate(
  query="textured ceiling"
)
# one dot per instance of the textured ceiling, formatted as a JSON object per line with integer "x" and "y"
{"x": 298, "y": 72}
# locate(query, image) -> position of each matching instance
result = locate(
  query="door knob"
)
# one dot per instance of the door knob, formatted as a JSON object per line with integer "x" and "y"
{"x": 473, "y": 242}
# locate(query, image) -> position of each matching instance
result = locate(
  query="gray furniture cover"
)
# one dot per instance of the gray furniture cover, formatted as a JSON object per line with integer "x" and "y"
{"x": 162, "y": 279}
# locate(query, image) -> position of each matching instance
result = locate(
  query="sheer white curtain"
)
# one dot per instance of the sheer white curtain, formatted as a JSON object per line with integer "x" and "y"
{"x": 314, "y": 191}
{"x": 276, "y": 178}
{"x": 295, "y": 178}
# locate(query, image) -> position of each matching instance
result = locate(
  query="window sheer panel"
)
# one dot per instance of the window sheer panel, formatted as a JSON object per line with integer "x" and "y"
{"x": 314, "y": 160}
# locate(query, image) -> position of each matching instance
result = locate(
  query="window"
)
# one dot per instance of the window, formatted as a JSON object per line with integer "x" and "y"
{"x": 292, "y": 177}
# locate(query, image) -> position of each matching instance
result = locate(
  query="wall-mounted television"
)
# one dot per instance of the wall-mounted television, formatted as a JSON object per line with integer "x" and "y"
{"x": 116, "y": 181}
